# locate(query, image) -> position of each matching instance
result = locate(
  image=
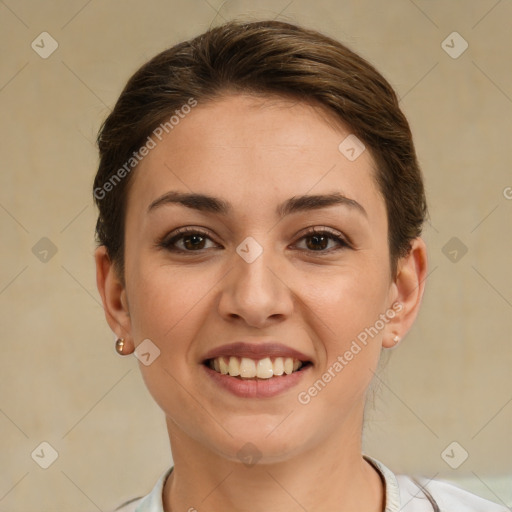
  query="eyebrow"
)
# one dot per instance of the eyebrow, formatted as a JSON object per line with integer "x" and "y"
{"x": 200, "y": 202}
{"x": 315, "y": 202}
{"x": 205, "y": 203}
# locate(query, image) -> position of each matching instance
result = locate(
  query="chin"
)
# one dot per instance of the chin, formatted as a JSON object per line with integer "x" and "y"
{"x": 259, "y": 451}
{"x": 254, "y": 441}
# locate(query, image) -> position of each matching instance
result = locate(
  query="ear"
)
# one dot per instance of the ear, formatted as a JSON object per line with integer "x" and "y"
{"x": 407, "y": 292}
{"x": 113, "y": 296}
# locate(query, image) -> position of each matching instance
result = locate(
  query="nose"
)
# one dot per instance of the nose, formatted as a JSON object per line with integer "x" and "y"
{"x": 255, "y": 293}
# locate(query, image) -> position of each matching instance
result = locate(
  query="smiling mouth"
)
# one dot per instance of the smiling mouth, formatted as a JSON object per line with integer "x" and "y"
{"x": 247, "y": 368}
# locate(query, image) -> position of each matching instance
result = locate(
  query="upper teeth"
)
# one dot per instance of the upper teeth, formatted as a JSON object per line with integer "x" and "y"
{"x": 249, "y": 368}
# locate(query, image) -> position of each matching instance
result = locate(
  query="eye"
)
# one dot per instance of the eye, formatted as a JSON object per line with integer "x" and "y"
{"x": 187, "y": 240}
{"x": 322, "y": 240}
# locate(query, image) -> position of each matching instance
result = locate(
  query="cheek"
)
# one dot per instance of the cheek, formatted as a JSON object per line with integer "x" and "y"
{"x": 349, "y": 300}
{"x": 168, "y": 307}
{"x": 347, "y": 310}
{"x": 162, "y": 297}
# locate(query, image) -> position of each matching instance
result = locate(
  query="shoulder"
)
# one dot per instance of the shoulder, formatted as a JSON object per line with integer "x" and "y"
{"x": 149, "y": 503}
{"x": 417, "y": 495}
{"x": 409, "y": 494}
{"x": 129, "y": 506}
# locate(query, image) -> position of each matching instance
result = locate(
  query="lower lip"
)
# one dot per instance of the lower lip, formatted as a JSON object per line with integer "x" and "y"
{"x": 256, "y": 388}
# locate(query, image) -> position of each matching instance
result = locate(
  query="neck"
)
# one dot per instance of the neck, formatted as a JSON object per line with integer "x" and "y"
{"x": 332, "y": 476}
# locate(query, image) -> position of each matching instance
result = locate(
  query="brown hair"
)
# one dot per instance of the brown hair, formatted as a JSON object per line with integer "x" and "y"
{"x": 264, "y": 57}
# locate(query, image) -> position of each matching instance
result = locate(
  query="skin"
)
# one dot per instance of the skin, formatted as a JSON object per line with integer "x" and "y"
{"x": 255, "y": 153}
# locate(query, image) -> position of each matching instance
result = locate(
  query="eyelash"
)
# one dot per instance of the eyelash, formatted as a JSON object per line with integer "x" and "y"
{"x": 181, "y": 233}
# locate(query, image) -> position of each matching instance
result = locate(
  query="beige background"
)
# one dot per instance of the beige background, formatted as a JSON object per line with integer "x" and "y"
{"x": 61, "y": 381}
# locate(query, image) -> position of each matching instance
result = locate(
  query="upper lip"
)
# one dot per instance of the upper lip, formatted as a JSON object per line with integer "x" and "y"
{"x": 255, "y": 351}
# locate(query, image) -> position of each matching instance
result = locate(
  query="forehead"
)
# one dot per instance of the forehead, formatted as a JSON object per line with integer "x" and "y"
{"x": 259, "y": 149}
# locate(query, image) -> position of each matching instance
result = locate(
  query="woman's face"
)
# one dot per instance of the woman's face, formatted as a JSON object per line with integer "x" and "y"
{"x": 249, "y": 233}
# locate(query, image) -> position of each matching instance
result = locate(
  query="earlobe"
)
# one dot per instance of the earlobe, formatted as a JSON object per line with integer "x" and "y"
{"x": 113, "y": 296}
{"x": 408, "y": 287}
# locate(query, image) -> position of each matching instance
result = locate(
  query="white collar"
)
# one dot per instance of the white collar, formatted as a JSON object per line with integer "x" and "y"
{"x": 153, "y": 502}
{"x": 402, "y": 494}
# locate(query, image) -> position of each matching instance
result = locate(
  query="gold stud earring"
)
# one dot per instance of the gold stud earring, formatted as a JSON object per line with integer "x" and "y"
{"x": 120, "y": 346}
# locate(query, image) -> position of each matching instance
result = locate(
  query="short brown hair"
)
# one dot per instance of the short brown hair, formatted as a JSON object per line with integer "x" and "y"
{"x": 270, "y": 58}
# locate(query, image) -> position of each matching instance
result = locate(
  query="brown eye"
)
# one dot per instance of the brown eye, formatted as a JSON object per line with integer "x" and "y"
{"x": 193, "y": 242}
{"x": 317, "y": 242}
{"x": 188, "y": 240}
{"x": 322, "y": 241}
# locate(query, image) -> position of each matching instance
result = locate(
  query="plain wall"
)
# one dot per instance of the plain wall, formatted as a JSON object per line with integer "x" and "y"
{"x": 60, "y": 378}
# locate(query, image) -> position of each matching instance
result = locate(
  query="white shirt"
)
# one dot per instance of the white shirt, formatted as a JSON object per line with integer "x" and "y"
{"x": 403, "y": 494}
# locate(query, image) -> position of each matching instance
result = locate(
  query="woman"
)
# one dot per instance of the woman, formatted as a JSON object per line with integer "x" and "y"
{"x": 260, "y": 210}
